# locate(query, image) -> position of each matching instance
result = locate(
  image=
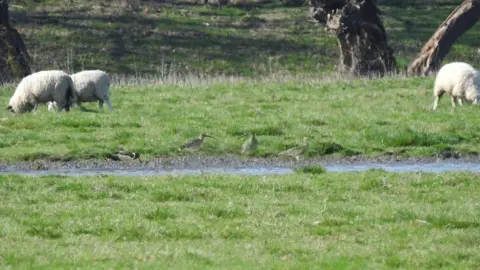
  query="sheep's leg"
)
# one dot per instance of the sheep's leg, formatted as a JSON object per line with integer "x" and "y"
{"x": 438, "y": 95}
{"x": 435, "y": 104}
{"x": 460, "y": 101}
{"x": 51, "y": 106}
{"x": 66, "y": 106}
{"x": 109, "y": 104}
{"x": 62, "y": 106}
{"x": 475, "y": 101}
{"x": 452, "y": 100}
{"x": 100, "y": 103}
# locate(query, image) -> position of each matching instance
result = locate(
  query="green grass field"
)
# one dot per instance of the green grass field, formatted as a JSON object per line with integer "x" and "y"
{"x": 368, "y": 220}
{"x": 178, "y": 59}
{"x": 341, "y": 117}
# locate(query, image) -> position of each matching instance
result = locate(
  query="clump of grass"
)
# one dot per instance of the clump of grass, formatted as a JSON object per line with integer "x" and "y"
{"x": 313, "y": 169}
{"x": 325, "y": 148}
{"x": 161, "y": 214}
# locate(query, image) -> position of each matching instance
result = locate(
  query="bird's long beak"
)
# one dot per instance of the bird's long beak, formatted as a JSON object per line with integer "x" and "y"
{"x": 210, "y": 136}
{"x": 244, "y": 135}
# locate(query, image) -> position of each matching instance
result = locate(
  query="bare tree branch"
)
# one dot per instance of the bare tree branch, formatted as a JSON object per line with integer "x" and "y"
{"x": 457, "y": 23}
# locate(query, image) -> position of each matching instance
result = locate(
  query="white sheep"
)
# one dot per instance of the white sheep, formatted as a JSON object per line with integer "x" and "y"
{"x": 460, "y": 80}
{"x": 90, "y": 86}
{"x": 42, "y": 87}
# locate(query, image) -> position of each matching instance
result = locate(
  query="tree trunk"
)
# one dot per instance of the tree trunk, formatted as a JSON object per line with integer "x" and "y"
{"x": 362, "y": 38}
{"x": 14, "y": 58}
{"x": 456, "y": 24}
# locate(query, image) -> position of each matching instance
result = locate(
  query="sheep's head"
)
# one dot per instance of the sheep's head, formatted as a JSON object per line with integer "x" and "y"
{"x": 23, "y": 108}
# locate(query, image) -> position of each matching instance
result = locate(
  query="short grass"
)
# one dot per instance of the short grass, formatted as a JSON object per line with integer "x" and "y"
{"x": 367, "y": 220}
{"x": 259, "y": 38}
{"x": 341, "y": 117}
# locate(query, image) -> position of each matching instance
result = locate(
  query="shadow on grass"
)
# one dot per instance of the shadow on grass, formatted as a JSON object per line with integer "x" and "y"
{"x": 131, "y": 43}
{"x": 417, "y": 4}
{"x": 85, "y": 109}
{"x": 248, "y": 5}
{"x": 184, "y": 36}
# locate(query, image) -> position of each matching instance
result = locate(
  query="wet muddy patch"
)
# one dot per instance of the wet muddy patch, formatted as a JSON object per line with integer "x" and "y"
{"x": 237, "y": 165}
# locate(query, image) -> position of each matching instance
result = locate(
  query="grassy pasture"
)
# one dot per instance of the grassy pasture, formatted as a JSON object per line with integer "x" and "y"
{"x": 311, "y": 219}
{"x": 341, "y": 117}
{"x": 368, "y": 220}
{"x": 194, "y": 42}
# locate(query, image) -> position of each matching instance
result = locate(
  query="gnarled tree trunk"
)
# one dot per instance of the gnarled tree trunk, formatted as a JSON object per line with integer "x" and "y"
{"x": 433, "y": 52}
{"x": 362, "y": 38}
{"x": 14, "y": 58}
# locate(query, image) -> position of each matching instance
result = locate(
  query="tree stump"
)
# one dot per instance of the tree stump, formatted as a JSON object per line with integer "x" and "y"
{"x": 14, "y": 58}
{"x": 362, "y": 38}
{"x": 457, "y": 23}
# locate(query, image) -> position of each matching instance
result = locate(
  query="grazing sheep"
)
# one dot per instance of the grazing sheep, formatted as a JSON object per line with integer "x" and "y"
{"x": 90, "y": 86}
{"x": 458, "y": 79}
{"x": 42, "y": 87}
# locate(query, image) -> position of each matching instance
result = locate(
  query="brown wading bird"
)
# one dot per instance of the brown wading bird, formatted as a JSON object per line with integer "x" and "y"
{"x": 194, "y": 143}
{"x": 250, "y": 145}
{"x": 297, "y": 151}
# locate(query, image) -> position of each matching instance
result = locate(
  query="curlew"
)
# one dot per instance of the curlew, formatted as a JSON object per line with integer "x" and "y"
{"x": 194, "y": 143}
{"x": 250, "y": 145}
{"x": 297, "y": 151}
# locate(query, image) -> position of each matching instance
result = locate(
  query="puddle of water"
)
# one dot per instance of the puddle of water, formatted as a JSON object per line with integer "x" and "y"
{"x": 396, "y": 167}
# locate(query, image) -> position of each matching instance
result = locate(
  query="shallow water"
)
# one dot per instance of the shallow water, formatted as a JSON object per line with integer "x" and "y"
{"x": 437, "y": 167}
